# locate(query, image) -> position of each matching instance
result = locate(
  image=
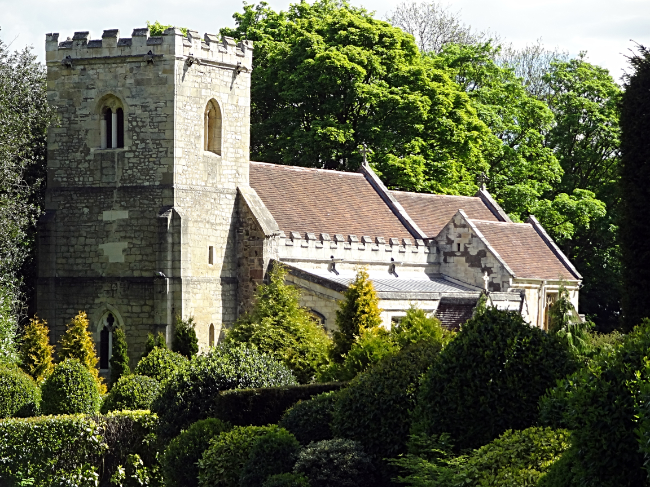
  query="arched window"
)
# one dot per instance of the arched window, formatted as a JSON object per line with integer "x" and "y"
{"x": 106, "y": 341}
{"x": 211, "y": 335}
{"x": 112, "y": 124}
{"x": 212, "y": 128}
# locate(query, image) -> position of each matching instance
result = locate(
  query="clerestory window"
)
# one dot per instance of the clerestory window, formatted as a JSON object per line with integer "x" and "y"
{"x": 212, "y": 127}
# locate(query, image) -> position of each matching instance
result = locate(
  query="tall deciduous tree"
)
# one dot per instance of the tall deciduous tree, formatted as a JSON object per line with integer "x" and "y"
{"x": 635, "y": 189}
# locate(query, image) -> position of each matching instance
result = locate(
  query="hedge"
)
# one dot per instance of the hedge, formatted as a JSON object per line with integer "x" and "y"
{"x": 19, "y": 394}
{"x": 310, "y": 420}
{"x": 74, "y": 449}
{"x": 266, "y": 405}
{"x": 131, "y": 392}
{"x": 70, "y": 389}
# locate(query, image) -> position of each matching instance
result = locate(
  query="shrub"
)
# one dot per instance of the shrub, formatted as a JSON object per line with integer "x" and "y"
{"x": 277, "y": 325}
{"x": 36, "y": 351}
{"x": 185, "y": 341}
{"x": 222, "y": 463}
{"x": 373, "y": 345}
{"x": 152, "y": 342}
{"x": 161, "y": 364}
{"x": 77, "y": 343}
{"x": 19, "y": 394}
{"x": 286, "y": 480}
{"x": 258, "y": 407}
{"x": 489, "y": 379}
{"x": 310, "y": 420}
{"x": 271, "y": 454}
{"x": 336, "y": 462}
{"x": 132, "y": 392}
{"x": 70, "y": 389}
{"x": 417, "y": 327}
{"x": 179, "y": 461}
{"x": 119, "y": 359}
{"x": 8, "y": 324}
{"x": 189, "y": 395}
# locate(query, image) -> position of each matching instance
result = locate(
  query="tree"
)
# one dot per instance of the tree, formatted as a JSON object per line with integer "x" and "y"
{"x": 153, "y": 342}
{"x": 358, "y": 311}
{"x": 8, "y": 326}
{"x": 278, "y": 326}
{"x": 36, "y": 351}
{"x": 119, "y": 358}
{"x": 77, "y": 343}
{"x": 185, "y": 341}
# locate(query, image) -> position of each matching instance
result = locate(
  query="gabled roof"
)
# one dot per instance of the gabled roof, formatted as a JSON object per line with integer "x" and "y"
{"x": 319, "y": 201}
{"x": 524, "y": 250}
{"x": 433, "y": 211}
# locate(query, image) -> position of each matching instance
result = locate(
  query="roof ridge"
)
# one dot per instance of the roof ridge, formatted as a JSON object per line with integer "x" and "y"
{"x": 433, "y": 194}
{"x": 501, "y": 223}
{"x": 302, "y": 168}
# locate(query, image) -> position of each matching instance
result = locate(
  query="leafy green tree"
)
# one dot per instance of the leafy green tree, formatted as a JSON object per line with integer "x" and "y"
{"x": 277, "y": 325}
{"x": 185, "y": 341}
{"x": 8, "y": 326}
{"x": 358, "y": 311}
{"x": 153, "y": 342}
{"x": 635, "y": 183}
{"x": 417, "y": 327}
{"x": 36, "y": 351}
{"x": 119, "y": 358}
{"x": 328, "y": 77}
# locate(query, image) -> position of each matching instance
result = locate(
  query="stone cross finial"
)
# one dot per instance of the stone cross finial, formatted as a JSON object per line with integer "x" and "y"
{"x": 486, "y": 279}
{"x": 482, "y": 179}
{"x": 364, "y": 152}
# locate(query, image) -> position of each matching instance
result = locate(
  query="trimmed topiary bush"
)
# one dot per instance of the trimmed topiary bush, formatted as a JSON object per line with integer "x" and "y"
{"x": 489, "y": 379}
{"x": 70, "y": 389}
{"x": 161, "y": 364}
{"x": 179, "y": 461}
{"x": 286, "y": 480}
{"x": 336, "y": 462}
{"x": 271, "y": 454}
{"x": 310, "y": 420}
{"x": 222, "y": 463}
{"x": 185, "y": 341}
{"x": 19, "y": 394}
{"x": 189, "y": 395}
{"x": 132, "y": 392}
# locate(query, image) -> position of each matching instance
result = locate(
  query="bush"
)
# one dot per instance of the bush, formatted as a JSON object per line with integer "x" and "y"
{"x": 417, "y": 327}
{"x": 36, "y": 351}
{"x": 74, "y": 450}
{"x": 489, "y": 379}
{"x": 119, "y": 359}
{"x": 375, "y": 408}
{"x": 336, "y": 462}
{"x": 179, "y": 461}
{"x": 161, "y": 364}
{"x": 189, "y": 395}
{"x": 185, "y": 341}
{"x": 70, "y": 389}
{"x": 132, "y": 392}
{"x": 152, "y": 342}
{"x": 271, "y": 454}
{"x": 19, "y": 394}
{"x": 310, "y": 420}
{"x": 259, "y": 407}
{"x": 370, "y": 348}
{"x": 286, "y": 480}
{"x": 222, "y": 463}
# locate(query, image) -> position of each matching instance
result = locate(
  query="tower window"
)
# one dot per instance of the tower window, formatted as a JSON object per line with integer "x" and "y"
{"x": 106, "y": 341}
{"x": 211, "y": 255}
{"x": 212, "y": 127}
{"x": 211, "y": 335}
{"x": 112, "y": 124}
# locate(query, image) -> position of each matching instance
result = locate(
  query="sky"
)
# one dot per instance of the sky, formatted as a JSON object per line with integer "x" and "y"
{"x": 603, "y": 28}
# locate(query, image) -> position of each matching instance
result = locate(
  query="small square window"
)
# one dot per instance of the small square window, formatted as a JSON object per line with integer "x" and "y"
{"x": 210, "y": 255}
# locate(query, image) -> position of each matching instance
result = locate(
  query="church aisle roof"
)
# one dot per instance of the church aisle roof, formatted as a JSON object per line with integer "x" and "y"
{"x": 524, "y": 250}
{"x": 320, "y": 201}
{"x": 432, "y": 212}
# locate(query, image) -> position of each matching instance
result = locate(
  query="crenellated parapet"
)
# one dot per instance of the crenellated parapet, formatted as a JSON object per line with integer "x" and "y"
{"x": 209, "y": 49}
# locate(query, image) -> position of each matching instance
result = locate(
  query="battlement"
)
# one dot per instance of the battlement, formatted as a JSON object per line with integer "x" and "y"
{"x": 210, "y": 49}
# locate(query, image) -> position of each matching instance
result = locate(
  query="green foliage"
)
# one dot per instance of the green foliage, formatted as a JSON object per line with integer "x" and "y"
{"x": 8, "y": 328}
{"x": 370, "y": 347}
{"x": 70, "y": 389}
{"x": 286, "y": 480}
{"x": 277, "y": 325}
{"x": 272, "y": 454}
{"x": 310, "y": 420}
{"x": 258, "y": 407}
{"x": 187, "y": 396}
{"x": 359, "y": 310}
{"x": 222, "y": 463}
{"x": 161, "y": 364}
{"x": 153, "y": 342}
{"x": 417, "y": 327}
{"x": 77, "y": 343}
{"x": 74, "y": 450}
{"x": 157, "y": 29}
{"x": 179, "y": 461}
{"x": 336, "y": 462}
{"x": 185, "y": 341}
{"x": 119, "y": 359}
{"x": 19, "y": 394}
{"x": 131, "y": 392}
{"x": 635, "y": 177}
{"x": 489, "y": 379}
{"x": 566, "y": 324}
{"x": 36, "y": 351}
{"x": 375, "y": 408}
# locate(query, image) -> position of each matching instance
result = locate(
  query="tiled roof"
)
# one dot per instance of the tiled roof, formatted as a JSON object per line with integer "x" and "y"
{"x": 319, "y": 201}
{"x": 523, "y": 250}
{"x": 452, "y": 313}
{"x": 431, "y": 212}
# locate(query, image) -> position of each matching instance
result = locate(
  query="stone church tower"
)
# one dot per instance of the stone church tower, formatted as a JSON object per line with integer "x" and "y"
{"x": 143, "y": 171}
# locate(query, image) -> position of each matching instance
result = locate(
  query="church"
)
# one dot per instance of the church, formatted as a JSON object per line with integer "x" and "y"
{"x": 153, "y": 209}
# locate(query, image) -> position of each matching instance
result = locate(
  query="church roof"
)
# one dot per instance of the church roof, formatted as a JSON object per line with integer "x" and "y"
{"x": 319, "y": 201}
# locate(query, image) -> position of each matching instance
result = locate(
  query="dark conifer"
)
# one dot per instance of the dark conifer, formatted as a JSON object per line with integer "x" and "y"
{"x": 119, "y": 358}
